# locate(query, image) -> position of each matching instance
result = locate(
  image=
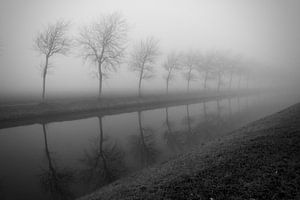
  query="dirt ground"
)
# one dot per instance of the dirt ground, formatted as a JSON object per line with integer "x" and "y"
{"x": 258, "y": 161}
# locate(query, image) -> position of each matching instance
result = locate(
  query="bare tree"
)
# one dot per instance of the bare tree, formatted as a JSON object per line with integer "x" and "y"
{"x": 190, "y": 64}
{"x": 103, "y": 42}
{"x": 232, "y": 64}
{"x": 219, "y": 63}
{"x": 171, "y": 64}
{"x": 204, "y": 67}
{"x": 240, "y": 72}
{"x": 53, "y": 40}
{"x": 143, "y": 58}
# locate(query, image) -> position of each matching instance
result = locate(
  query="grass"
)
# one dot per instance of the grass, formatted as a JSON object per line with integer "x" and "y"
{"x": 62, "y": 110}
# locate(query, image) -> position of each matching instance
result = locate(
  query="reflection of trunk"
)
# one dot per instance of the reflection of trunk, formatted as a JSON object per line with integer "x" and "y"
{"x": 218, "y": 108}
{"x": 188, "y": 119}
{"x": 229, "y": 107}
{"x": 167, "y": 121}
{"x": 171, "y": 139}
{"x": 51, "y": 167}
{"x": 44, "y": 77}
{"x": 54, "y": 180}
{"x": 101, "y": 151}
{"x": 239, "y": 106}
{"x": 204, "y": 110}
{"x": 144, "y": 146}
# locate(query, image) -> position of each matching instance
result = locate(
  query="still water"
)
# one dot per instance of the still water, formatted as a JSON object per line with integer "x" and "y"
{"x": 65, "y": 160}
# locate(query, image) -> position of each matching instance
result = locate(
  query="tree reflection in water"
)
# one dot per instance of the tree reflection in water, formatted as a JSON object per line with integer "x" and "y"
{"x": 143, "y": 145}
{"x": 171, "y": 138}
{"x": 191, "y": 136}
{"x": 55, "y": 180}
{"x": 104, "y": 161}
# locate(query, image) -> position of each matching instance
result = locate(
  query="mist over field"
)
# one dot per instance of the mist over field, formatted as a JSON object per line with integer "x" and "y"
{"x": 265, "y": 32}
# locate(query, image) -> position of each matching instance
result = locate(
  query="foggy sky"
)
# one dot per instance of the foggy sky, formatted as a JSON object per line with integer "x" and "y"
{"x": 267, "y": 31}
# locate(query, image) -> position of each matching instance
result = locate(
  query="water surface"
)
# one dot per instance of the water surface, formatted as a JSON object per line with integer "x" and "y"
{"x": 65, "y": 160}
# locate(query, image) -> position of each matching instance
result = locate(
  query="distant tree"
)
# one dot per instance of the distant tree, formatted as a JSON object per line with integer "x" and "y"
{"x": 190, "y": 63}
{"x": 219, "y": 63}
{"x": 208, "y": 70}
{"x": 103, "y": 42}
{"x": 171, "y": 64}
{"x": 233, "y": 66}
{"x": 143, "y": 59}
{"x": 204, "y": 67}
{"x": 240, "y": 73}
{"x": 53, "y": 40}
{"x": 248, "y": 72}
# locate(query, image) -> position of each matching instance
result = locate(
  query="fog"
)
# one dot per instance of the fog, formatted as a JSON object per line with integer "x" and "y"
{"x": 265, "y": 31}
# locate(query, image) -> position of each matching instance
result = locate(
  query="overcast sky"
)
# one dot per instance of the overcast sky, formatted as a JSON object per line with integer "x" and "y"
{"x": 264, "y": 30}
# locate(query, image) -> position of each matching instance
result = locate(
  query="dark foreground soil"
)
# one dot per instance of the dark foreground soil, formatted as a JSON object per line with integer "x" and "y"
{"x": 258, "y": 161}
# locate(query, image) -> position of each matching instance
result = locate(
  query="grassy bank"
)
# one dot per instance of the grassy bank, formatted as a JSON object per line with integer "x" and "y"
{"x": 63, "y": 110}
{"x": 258, "y": 161}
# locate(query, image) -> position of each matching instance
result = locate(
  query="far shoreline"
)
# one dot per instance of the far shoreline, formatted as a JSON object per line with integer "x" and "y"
{"x": 55, "y": 111}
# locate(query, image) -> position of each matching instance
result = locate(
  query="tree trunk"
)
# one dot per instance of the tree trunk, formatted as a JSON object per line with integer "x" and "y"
{"x": 230, "y": 82}
{"x": 189, "y": 79}
{"x": 219, "y": 82}
{"x": 44, "y": 78}
{"x": 188, "y": 86}
{"x": 140, "y": 82}
{"x": 167, "y": 89}
{"x": 247, "y": 82}
{"x": 100, "y": 79}
{"x": 205, "y": 79}
{"x": 101, "y": 135}
{"x": 239, "y": 84}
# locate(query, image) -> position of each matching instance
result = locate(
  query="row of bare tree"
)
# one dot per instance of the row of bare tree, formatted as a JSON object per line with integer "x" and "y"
{"x": 103, "y": 42}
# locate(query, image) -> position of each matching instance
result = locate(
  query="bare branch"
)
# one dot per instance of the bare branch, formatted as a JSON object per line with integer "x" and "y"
{"x": 144, "y": 56}
{"x": 104, "y": 40}
{"x": 53, "y": 39}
